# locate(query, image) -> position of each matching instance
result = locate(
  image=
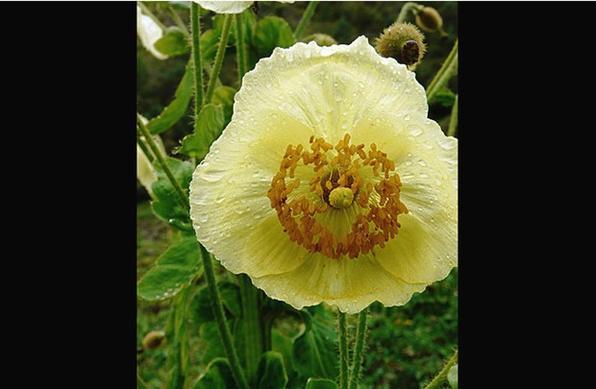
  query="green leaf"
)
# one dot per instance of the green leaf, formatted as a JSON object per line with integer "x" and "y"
{"x": 271, "y": 371}
{"x": 177, "y": 335}
{"x": 208, "y": 127}
{"x": 173, "y": 271}
{"x": 272, "y": 32}
{"x": 180, "y": 5}
{"x": 452, "y": 377}
{"x": 314, "y": 352}
{"x": 224, "y": 96}
{"x": 283, "y": 345}
{"x": 320, "y": 383}
{"x": 211, "y": 346}
{"x": 209, "y": 42}
{"x": 173, "y": 42}
{"x": 177, "y": 107}
{"x": 217, "y": 376}
{"x": 230, "y": 296}
{"x": 444, "y": 97}
{"x": 167, "y": 204}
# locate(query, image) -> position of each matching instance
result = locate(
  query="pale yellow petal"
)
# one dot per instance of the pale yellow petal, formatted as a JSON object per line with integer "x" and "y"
{"x": 349, "y": 284}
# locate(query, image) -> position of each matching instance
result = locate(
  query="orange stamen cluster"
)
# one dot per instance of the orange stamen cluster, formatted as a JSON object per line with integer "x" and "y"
{"x": 376, "y": 220}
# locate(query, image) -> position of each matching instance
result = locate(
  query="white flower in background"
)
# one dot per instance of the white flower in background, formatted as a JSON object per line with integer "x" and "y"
{"x": 149, "y": 32}
{"x": 145, "y": 172}
{"x": 225, "y": 7}
{"x": 229, "y": 7}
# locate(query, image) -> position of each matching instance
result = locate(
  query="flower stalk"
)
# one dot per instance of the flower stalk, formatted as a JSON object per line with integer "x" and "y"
{"x": 240, "y": 47}
{"x": 442, "y": 376}
{"x": 195, "y": 27}
{"x": 444, "y": 73}
{"x": 182, "y": 196}
{"x": 343, "y": 351}
{"x": 219, "y": 57}
{"x": 306, "y": 16}
{"x": 253, "y": 342}
{"x": 358, "y": 348}
{"x": 143, "y": 147}
{"x": 222, "y": 325}
{"x": 453, "y": 119}
{"x": 405, "y": 9}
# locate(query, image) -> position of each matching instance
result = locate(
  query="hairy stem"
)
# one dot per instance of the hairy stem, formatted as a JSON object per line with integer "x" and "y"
{"x": 181, "y": 194}
{"x": 253, "y": 341}
{"x": 343, "y": 351}
{"x": 222, "y": 325}
{"x": 442, "y": 376}
{"x": 219, "y": 57}
{"x": 240, "y": 47}
{"x": 453, "y": 119}
{"x": 195, "y": 27}
{"x": 145, "y": 148}
{"x": 306, "y": 16}
{"x": 358, "y": 348}
{"x": 444, "y": 73}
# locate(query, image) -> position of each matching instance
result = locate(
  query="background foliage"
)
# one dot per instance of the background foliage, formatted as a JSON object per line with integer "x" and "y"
{"x": 406, "y": 346}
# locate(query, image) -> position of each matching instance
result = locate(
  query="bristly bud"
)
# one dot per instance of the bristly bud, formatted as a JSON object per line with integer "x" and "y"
{"x": 321, "y": 39}
{"x": 153, "y": 340}
{"x": 404, "y": 42}
{"x": 429, "y": 20}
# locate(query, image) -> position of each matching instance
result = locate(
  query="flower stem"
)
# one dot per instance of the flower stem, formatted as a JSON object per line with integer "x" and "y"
{"x": 253, "y": 342}
{"x": 183, "y": 197}
{"x": 453, "y": 119}
{"x": 360, "y": 339}
{"x": 223, "y": 41}
{"x": 178, "y": 20}
{"x": 143, "y": 147}
{"x": 195, "y": 27}
{"x": 343, "y": 351}
{"x": 222, "y": 325}
{"x": 444, "y": 73}
{"x": 306, "y": 16}
{"x": 442, "y": 376}
{"x": 405, "y": 9}
{"x": 240, "y": 47}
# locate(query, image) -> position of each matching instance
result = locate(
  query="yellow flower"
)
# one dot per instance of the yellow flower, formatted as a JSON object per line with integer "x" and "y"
{"x": 330, "y": 184}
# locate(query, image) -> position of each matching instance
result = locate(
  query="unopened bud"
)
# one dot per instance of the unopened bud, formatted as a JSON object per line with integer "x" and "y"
{"x": 153, "y": 340}
{"x": 429, "y": 19}
{"x": 404, "y": 42}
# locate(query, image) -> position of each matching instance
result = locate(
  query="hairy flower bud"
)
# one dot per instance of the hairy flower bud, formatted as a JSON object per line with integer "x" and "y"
{"x": 402, "y": 41}
{"x": 153, "y": 339}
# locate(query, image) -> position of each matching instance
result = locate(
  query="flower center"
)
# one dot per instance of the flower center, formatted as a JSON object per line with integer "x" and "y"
{"x": 341, "y": 197}
{"x": 349, "y": 202}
